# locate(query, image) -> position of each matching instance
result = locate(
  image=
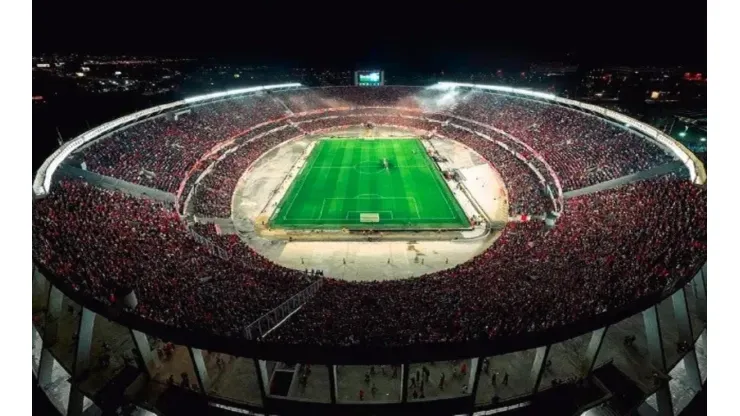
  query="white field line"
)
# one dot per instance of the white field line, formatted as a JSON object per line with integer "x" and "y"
{"x": 436, "y": 181}
{"x": 362, "y": 196}
{"x": 321, "y": 213}
{"x": 298, "y": 191}
{"x": 370, "y": 197}
{"x": 365, "y": 212}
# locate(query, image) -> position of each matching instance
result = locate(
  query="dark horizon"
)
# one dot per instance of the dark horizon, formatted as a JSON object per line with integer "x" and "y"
{"x": 429, "y": 38}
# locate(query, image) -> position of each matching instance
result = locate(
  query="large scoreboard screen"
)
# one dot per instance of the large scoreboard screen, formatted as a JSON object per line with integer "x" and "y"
{"x": 369, "y": 78}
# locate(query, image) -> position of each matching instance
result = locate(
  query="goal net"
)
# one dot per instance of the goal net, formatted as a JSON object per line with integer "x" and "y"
{"x": 369, "y": 217}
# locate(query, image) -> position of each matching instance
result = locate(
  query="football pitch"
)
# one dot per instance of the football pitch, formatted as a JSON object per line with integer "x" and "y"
{"x": 369, "y": 184}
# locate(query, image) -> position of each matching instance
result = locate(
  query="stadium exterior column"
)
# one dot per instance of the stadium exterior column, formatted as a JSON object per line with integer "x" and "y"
{"x": 686, "y": 336}
{"x": 700, "y": 294}
{"x": 594, "y": 347}
{"x": 332, "y": 383}
{"x": 654, "y": 339}
{"x": 646, "y": 410}
{"x": 475, "y": 374}
{"x": 46, "y": 364}
{"x": 201, "y": 372}
{"x": 405, "y": 382}
{"x": 53, "y": 314}
{"x": 82, "y": 361}
{"x": 40, "y": 280}
{"x": 84, "y": 342}
{"x": 538, "y": 366}
{"x": 144, "y": 350}
{"x": 261, "y": 367}
{"x": 76, "y": 401}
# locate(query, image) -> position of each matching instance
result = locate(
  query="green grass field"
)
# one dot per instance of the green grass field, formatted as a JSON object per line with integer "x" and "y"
{"x": 345, "y": 184}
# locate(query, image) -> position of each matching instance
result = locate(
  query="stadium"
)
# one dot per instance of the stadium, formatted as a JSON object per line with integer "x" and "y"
{"x": 368, "y": 249}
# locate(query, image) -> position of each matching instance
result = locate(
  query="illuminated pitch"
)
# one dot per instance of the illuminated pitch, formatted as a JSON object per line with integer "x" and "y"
{"x": 369, "y": 184}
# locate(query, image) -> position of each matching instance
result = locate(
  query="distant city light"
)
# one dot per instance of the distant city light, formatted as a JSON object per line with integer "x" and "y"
{"x": 236, "y": 75}
{"x": 117, "y": 73}
{"x": 80, "y": 74}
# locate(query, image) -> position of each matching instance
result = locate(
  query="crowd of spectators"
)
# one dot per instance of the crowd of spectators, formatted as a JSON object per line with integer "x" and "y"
{"x": 583, "y": 149}
{"x": 105, "y": 243}
{"x": 607, "y": 250}
{"x": 525, "y": 191}
{"x": 303, "y": 100}
{"x": 159, "y": 152}
{"x": 364, "y": 117}
{"x": 212, "y": 196}
{"x": 355, "y": 112}
{"x": 526, "y": 151}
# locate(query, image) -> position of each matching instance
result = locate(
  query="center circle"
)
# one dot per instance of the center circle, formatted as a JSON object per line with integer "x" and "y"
{"x": 369, "y": 167}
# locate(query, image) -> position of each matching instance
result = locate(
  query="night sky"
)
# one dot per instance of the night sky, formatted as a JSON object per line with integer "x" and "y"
{"x": 365, "y": 32}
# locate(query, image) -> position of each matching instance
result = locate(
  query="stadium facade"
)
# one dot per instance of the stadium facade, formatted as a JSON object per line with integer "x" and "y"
{"x": 94, "y": 351}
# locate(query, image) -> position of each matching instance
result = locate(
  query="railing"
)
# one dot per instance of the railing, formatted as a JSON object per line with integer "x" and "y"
{"x": 537, "y": 173}
{"x": 269, "y": 321}
{"x": 214, "y": 249}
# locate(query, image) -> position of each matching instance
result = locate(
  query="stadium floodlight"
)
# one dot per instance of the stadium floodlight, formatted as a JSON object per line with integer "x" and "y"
{"x": 446, "y": 85}
{"x": 214, "y": 95}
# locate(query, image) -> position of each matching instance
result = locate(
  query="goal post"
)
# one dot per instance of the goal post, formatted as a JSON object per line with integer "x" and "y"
{"x": 370, "y": 217}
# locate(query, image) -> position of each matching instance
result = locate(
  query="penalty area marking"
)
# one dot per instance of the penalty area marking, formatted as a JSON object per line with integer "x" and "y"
{"x": 367, "y": 197}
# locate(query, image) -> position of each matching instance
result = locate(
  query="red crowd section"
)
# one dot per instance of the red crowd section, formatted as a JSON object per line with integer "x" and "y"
{"x": 608, "y": 250}
{"x": 104, "y": 243}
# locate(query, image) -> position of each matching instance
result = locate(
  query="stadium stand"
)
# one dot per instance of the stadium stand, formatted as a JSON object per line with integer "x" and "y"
{"x": 212, "y": 196}
{"x": 583, "y": 149}
{"x": 597, "y": 258}
{"x": 158, "y": 153}
{"x": 103, "y": 243}
{"x": 587, "y": 275}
